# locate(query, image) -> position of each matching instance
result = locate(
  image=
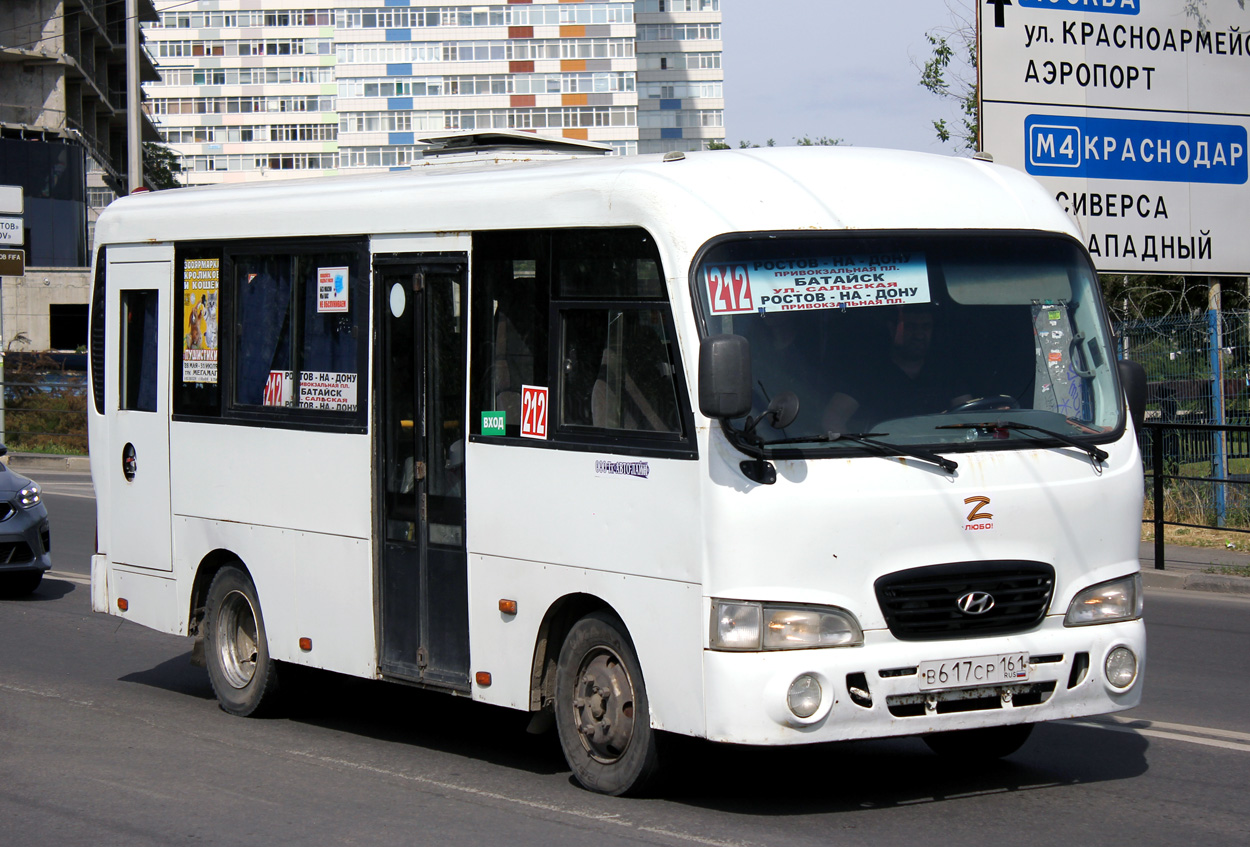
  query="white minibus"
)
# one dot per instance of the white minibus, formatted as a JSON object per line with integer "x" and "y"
{"x": 769, "y": 447}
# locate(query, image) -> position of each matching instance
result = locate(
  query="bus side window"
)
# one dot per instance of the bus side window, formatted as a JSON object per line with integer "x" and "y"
{"x": 511, "y": 302}
{"x": 138, "y": 351}
{"x": 513, "y": 364}
{"x": 632, "y": 388}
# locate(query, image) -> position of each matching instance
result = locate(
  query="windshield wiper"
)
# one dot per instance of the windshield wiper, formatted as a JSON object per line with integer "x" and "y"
{"x": 868, "y": 439}
{"x": 1095, "y": 453}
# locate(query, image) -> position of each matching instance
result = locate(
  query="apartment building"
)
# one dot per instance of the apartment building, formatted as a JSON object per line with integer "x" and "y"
{"x": 63, "y": 112}
{"x": 255, "y": 89}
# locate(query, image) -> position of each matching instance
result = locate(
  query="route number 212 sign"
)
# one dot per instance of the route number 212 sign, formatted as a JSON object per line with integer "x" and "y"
{"x": 533, "y": 411}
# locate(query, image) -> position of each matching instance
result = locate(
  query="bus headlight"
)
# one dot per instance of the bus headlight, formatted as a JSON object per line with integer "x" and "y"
{"x": 1108, "y": 602}
{"x": 763, "y": 626}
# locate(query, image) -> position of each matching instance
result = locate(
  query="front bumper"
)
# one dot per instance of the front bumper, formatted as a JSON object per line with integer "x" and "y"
{"x": 745, "y": 693}
{"x": 25, "y": 541}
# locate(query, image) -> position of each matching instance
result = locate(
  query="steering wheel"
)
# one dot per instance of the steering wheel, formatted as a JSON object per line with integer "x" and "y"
{"x": 990, "y": 401}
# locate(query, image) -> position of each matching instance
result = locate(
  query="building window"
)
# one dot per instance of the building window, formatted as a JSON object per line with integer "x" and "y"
{"x": 67, "y": 326}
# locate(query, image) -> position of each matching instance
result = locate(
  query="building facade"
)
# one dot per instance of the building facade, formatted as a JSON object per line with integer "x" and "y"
{"x": 318, "y": 87}
{"x": 63, "y": 116}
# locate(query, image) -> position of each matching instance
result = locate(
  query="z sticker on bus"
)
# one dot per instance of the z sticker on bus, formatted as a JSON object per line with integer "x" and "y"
{"x": 840, "y": 282}
{"x": 533, "y": 411}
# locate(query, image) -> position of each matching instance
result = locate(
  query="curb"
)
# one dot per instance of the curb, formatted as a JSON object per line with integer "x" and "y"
{"x": 37, "y": 462}
{"x": 1217, "y": 583}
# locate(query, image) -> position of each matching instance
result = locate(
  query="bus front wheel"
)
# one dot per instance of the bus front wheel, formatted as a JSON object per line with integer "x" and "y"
{"x": 602, "y": 713}
{"x": 979, "y": 745}
{"x": 243, "y": 676}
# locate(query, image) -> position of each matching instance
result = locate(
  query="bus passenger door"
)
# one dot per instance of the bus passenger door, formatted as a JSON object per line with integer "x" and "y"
{"x": 137, "y": 362}
{"x": 422, "y": 576}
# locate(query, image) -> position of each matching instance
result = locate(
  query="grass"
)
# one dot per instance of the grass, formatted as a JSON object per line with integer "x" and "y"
{"x": 1189, "y": 537}
{"x": 1240, "y": 570}
{"x": 43, "y": 416}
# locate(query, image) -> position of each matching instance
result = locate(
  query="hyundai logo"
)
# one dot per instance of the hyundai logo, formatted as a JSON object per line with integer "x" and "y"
{"x": 975, "y": 603}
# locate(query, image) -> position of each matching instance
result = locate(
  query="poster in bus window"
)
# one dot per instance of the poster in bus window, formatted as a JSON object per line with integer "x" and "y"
{"x": 199, "y": 320}
{"x": 332, "y": 290}
{"x": 327, "y": 391}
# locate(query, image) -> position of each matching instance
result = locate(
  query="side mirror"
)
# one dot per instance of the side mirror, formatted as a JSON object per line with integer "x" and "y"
{"x": 783, "y": 409}
{"x": 1133, "y": 378}
{"x": 724, "y": 376}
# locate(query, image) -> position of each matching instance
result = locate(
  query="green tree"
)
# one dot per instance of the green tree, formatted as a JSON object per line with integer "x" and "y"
{"x": 950, "y": 72}
{"x": 160, "y": 166}
{"x": 1196, "y": 9}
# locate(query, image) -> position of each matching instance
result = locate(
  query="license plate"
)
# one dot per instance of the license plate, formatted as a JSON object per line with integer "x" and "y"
{"x": 968, "y": 673}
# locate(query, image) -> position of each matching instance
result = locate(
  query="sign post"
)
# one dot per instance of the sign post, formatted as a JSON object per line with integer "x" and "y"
{"x": 12, "y": 262}
{"x": 1135, "y": 114}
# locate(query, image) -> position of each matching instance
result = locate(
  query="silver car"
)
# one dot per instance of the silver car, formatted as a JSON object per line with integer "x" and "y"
{"x": 25, "y": 537}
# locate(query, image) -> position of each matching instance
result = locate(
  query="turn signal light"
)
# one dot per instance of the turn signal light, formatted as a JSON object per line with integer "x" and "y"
{"x": 123, "y": 603}
{"x": 508, "y": 607}
{"x": 483, "y": 678}
{"x": 305, "y": 644}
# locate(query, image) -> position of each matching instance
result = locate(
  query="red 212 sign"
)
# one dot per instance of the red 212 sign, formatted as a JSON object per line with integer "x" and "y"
{"x": 533, "y": 411}
{"x": 729, "y": 289}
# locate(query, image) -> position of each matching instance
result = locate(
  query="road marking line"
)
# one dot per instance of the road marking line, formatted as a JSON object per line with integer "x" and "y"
{"x": 614, "y": 819}
{"x": 44, "y": 693}
{"x": 1179, "y": 727}
{"x": 76, "y": 578}
{"x": 1143, "y": 728}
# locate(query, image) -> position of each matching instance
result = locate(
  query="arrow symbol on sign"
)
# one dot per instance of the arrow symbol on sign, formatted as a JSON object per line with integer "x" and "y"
{"x": 999, "y": 17}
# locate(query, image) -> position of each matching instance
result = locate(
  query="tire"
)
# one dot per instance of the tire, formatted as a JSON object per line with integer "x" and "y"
{"x": 975, "y": 746}
{"x": 19, "y": 584}
{"x": 243, "y": 676}
{"x": 602, "y": 712}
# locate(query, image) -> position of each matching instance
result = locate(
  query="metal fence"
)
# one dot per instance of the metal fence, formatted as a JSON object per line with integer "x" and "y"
{"x": 45, "y": 411}
{"x": 1179, "y": 493}
{"x": 1197, "y": 366}
{"x": 1196, "y": 438}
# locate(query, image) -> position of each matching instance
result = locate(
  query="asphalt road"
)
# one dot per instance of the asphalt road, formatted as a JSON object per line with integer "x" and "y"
{"x": 109, "y": 736}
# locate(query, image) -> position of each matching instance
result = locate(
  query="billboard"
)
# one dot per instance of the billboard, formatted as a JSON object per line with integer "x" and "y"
{"x": 1136, "y": 115}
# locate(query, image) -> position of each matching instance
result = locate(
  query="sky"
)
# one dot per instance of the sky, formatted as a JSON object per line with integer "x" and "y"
{"x": 850, "y": 70}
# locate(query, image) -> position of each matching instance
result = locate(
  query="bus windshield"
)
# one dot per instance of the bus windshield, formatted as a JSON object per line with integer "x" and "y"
{"x": 955, "y": 341}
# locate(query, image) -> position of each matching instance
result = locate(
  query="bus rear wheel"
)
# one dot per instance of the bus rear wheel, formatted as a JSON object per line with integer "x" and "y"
{"x": 243, "y": 676}
{"x": 602, "y": 712}
{"x": 979, "y": 745}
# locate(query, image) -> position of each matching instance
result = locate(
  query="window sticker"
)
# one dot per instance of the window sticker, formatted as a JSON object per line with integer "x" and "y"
{"x": 200, "y": 285}
{"x": 494, "y": 423}
{"x": 278, "y": 389}
{"x": 839, "y": 282}
{"x": 332, "y": 290}
{"x": 533, "y": 411}
{"x": 317, "y": 390}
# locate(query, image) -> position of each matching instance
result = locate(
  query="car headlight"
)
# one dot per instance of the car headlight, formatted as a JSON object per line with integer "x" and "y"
{"x": 29, "y": 496}
{"x": 738, "y": 625}
{"x": 1107, "y": 602}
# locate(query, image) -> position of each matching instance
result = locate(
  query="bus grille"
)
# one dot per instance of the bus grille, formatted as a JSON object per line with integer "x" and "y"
{"x": 922, "y": 604}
